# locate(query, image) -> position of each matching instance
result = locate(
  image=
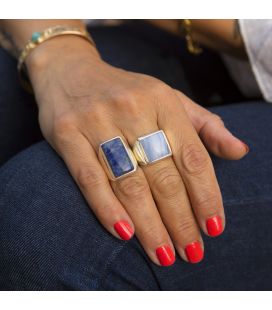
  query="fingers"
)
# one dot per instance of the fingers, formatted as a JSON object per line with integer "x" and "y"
{"x": 86, "y": 170}
{"x": 154, "y": 201}
{"x": 195, "y": 167}
{"x": 174, "y": 206}
{"x": 210, "y": 127}
{"x": 134, "y": 194}
{"x": 172, "y": 201}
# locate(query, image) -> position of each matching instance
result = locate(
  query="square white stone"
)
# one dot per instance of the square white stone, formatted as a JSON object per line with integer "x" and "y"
{"x": 155, "y": 146}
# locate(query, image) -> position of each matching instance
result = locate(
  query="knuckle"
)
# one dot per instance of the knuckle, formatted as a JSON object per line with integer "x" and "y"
{"x": 151, "y": 233}
{"x": 159, "y": 88}
{"x": 62, "y": 127}
{"x": 162, "y": 94}
{"x": 186, "y": 227}
{"x": 208, "y": 203}
{"x": 167, "y": 182}
{"x": 217, "y": 119}
{"x": 94, "y": 118}
{"x": 96, "y": 114}
{"x": 133, "y": 187}
{"x": 88, "y": 178}
{"x": 127, "y": 103}
{"x": 194, "y": 159}
{"x": 103, "y": 210}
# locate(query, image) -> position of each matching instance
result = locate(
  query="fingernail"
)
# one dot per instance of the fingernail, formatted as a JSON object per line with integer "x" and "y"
{"x": 214, "y": 226}
{"x": 124, "y": 230}
{"x": 246, "y": 146}
{"x": 194, "y": 252}
{"x": 165, "y": 255}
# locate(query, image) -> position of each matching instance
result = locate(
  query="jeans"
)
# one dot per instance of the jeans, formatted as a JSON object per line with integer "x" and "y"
{"x": 51, "y": 240}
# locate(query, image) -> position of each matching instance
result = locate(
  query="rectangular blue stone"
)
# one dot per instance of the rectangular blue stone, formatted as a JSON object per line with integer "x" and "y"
{"x": 117, "y": 157}
{"x": 155, "y": 146}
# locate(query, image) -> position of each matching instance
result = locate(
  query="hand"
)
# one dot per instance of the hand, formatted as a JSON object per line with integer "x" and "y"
{"x": 214, "y": 135}
{"x": 84, "y": 101}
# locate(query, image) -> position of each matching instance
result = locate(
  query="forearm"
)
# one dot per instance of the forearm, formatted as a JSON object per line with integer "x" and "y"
{"x": 220, "y": 34}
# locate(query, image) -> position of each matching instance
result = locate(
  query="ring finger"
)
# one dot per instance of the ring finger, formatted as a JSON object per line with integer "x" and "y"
{"x": 134, "y": 193}
{"x": 170, "y": 196}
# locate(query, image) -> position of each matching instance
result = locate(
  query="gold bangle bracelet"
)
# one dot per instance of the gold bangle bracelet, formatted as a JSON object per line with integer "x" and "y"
{"x": 186, "y": 27}
{"x": 38, "y": 38}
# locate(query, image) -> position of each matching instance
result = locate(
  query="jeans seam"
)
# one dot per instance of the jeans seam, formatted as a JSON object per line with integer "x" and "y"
{"x": 109, "y": 263}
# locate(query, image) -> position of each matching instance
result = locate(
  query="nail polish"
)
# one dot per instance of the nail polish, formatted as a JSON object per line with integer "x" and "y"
{"x": 165, "y": 255}
{"x": 124, "y": 230}
{"x": 214, "y": 226}
{"x": 194, "y": 252}
{"x": 246, "y": 146}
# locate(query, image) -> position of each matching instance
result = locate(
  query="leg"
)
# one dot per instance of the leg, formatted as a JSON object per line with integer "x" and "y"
{"x": 240, "y": 259}
{"x": 50, "y": 240}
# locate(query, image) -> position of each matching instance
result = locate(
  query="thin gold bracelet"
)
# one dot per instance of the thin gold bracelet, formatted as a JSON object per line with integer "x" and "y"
{"x": 186, "y": 27}
{"x": 39, "y": 37}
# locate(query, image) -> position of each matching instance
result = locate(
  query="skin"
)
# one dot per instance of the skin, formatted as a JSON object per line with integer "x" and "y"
{"x": 84, "y": 101}
{"x": 218, "y": 34}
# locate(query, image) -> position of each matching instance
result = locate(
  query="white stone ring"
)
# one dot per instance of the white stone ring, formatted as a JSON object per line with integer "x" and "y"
{"x": 151, "y": 148}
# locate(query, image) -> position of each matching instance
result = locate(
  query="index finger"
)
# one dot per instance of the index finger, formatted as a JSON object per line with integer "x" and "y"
{"x": 195, "y": 167}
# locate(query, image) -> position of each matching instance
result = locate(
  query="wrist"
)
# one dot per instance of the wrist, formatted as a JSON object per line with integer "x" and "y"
{"x": 59, "y": 48}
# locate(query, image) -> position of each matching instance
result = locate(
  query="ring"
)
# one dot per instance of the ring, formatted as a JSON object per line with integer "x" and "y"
{"x": 151, "y": 148}
{"x": 117, "y": 158}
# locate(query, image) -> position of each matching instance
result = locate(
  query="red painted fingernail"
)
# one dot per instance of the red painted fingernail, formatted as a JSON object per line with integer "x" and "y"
{"x": 194, "y": 252}
{"x": 124, "y": 230}
{"x": 165, "y": 255}
{"x": 214, "y": 226}
{"x": 246, "y": 146}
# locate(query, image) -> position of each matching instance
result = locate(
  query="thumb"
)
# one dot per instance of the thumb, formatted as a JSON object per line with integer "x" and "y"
{"x": 212, "y": 131}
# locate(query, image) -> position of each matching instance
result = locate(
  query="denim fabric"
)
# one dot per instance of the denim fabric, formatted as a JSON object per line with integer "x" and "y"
{"x": 51, "y": 240}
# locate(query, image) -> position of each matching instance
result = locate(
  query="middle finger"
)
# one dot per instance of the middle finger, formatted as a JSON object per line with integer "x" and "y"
{"x": 170, "y": 196}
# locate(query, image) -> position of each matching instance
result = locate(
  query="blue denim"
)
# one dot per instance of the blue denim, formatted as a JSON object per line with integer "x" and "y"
{"x": 51, "y": 240}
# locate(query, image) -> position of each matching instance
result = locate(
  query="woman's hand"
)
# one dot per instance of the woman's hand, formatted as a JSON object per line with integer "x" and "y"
{"x": 84, "y": 101}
